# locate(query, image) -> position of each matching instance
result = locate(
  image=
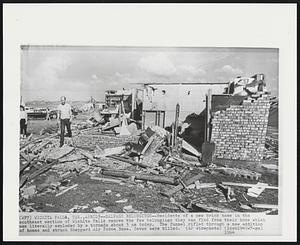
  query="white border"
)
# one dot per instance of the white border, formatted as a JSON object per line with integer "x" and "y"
{"x": 177, "y": 25}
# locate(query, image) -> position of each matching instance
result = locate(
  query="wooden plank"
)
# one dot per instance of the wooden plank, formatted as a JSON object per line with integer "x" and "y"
{"x": 208, "y": 115}
{"x": 189, "y": 158}
{"x": 182, "y": 161}
{"x": 38, "y": 172}
{"x": 250, "y": 185}
{"x": 42, "y": 170}
{"x": 147, "y": 145}
{"x": 29, "y": 162}
{"x": 205, "y": 185}
{"x": 209, "y": 208}
{"x": 38, "y": 139}
{"x": 65, "y": 190}
{"x": 128, "y": 161}
{"x": 153, "y": 178}
{"x": 262, "y": 205}
{"x": 106, "y": 179}
{"x": 41, "y": 146}
{"x": 172, "y": 135}
{"x": 180, "y": 186}
{"x": 176, "y": 124}
{"x": 72, "y": 158}
{"x": 113, "y": 125}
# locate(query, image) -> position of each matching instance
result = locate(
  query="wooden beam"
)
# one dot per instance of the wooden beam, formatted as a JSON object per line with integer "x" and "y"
{"x": 65, "y": 190}
{"x": 128, "y": 161}
{"x": 176, "y": 124}
{"x": 29, "y": 162}
{"x": 143, "y": 119}
{"x": 153, "y": 178}
{"x": 106, "y": 180}
{"x": 208, "y": 208}
{"x": 38, "y": 172}
{"x": 147, "y": 145}
{"x": 250, "y": 185}
{"x": 208, "y": 115}
{"x": 180, "y": 186}
{"x": 38, "y": 139}
{"x": 262, "y": 205}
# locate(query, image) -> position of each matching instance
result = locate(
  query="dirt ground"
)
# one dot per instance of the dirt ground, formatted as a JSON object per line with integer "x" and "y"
{"x": 142, "y": 196}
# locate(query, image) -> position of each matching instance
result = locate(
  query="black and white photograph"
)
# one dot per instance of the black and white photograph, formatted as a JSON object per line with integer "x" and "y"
{"x": 148, "y": 130}
{"x": 149, "y": 122}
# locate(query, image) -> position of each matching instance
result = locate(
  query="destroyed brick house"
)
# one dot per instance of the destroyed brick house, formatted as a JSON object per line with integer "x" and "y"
{"x": 187, "y": 147}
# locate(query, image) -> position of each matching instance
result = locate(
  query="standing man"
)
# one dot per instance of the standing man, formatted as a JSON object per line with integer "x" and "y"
{"x": 65, "y": 117}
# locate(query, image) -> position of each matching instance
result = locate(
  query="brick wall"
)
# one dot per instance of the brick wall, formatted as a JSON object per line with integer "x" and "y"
{"x": 239, "y": 131}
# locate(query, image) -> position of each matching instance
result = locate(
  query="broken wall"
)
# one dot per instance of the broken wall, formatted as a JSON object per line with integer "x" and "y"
{"x": 239, "y": 131}
{"x": 191, "y": 98}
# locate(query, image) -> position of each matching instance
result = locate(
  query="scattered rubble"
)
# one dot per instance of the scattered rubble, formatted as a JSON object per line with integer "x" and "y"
{"x": 120, "y": 159}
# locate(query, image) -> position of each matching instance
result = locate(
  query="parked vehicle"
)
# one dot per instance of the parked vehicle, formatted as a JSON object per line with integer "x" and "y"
{"x": 29, "y": 109}
{"x": 38, "y": 113}
{"x": 53, "y": 114}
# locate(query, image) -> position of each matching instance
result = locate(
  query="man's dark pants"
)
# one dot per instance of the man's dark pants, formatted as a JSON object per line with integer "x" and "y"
{"x": 64, "y": 123}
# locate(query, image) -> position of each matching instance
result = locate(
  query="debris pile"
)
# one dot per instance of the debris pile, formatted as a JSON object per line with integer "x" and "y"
{"x": 149, "y": 164}
{"x": 110, "y": 165}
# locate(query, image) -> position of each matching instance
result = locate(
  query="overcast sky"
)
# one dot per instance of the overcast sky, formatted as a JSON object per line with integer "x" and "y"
{"x": 81, "y": 72}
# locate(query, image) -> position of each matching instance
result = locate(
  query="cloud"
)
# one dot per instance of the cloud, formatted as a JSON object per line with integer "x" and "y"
{"x": 94, "y": 77}
{"x": 191, "y": 70}
{"x": 228, "y": 69}
{"x": 47, "y": 74}
{"x": 161, "y": 65}
{"x": 123, "y": 79}
{"x": 158, "y": 64}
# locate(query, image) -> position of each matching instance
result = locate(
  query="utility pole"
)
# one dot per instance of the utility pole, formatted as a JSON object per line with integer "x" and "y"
{"x": 208, "y": 115}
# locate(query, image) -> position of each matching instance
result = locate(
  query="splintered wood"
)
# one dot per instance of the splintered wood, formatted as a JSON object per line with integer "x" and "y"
{"x": 181, "y": 186}
{"x": 150, "y": 156}
{"x": 153, "y": 178}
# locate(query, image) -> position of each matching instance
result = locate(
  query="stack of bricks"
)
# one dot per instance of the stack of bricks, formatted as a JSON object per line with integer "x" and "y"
{"x": 239, "y": 132}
